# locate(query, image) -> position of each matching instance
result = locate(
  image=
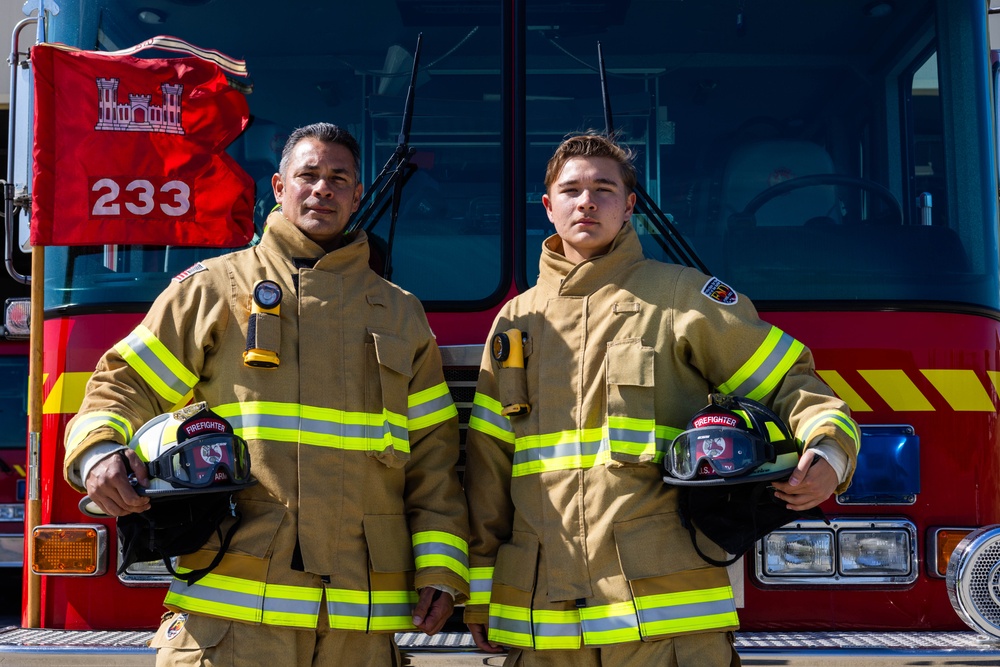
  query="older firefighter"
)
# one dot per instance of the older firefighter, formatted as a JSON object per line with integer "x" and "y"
{"x": 578, "y": 556}
{"x": 333, "y": 378}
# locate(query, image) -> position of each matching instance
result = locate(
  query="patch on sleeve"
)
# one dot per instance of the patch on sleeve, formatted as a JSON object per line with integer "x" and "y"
{"x": 190, "y": 271}
{"x": 716, "y": 290}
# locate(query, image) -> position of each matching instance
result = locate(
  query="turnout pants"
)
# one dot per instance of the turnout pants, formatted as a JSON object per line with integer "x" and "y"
{"x": 712, "y": 649}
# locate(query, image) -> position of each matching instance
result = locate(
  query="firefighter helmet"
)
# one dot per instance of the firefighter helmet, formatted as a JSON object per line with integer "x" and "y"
{"x": 733, "y": 440}
{"x": 191, "y": 451}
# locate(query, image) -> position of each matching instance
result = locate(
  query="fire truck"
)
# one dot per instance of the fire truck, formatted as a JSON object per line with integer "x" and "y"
{"x": 834, "y": 160}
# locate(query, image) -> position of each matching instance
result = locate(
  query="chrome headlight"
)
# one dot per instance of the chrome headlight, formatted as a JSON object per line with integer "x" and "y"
{"x": 847, "y": 552}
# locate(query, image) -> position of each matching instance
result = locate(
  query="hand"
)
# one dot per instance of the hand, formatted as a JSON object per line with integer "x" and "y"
{"x": 480, "y": 634}
{"x": 433, "y": 610}
{"x": 813, "y": 481}
{"x": 108, "y": 484}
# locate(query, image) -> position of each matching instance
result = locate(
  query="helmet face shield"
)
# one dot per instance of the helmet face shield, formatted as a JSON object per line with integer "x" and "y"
{"x": 204, "y": 461}
{"x": 724, "y": 451}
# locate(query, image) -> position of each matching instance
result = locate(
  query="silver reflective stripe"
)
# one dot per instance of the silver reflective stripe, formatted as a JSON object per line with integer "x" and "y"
{"x": 160, "y": 369}
{"x": 491, "y": 417}
{"x": 628, "y": 435}
{"x": 326, "y": 429}
{"x": 440, "y": 549}
{"x": 285, "y": 605}
{"x": 625, "y": 622}
{"x": 356, "y": 610}
{"x": 218, "y": 595}
{"x": 766, "y": 367}
{"x": 484, "y": 586}
{"x": 387, "y": 610}
{"x": 532, "y": 454}
{"x": 510, "y": 625}
{"x": 557, "y": 629}
{"x": 429, "y": 407}
{"x": 687, "y": 611}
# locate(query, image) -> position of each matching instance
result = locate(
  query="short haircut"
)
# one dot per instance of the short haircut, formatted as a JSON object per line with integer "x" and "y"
{"x": 591, "y": 144}
{"x": 328, "y": 133}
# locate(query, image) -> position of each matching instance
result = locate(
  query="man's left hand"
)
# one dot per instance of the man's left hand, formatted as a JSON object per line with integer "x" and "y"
{"x": 813, "y": 481}
{"x": 433, "y": 610}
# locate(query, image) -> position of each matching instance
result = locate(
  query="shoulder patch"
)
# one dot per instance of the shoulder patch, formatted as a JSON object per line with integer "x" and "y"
{"x": 718, "y": 291}
{"x": 190, "y": 271}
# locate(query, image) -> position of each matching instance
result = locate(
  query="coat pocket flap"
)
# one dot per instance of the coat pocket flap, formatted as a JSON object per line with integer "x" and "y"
{"x": 654, "y": 546}
{"x": 191, "y": 632}
{"x": 390, "y": 546}
{"x": 629, "y": 363}
{"x": 517, "y": 562}
{"x": 394, "y": 353}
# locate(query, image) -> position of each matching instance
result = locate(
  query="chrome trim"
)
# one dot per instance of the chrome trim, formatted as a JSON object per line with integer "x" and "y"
{"x": 838, "y": 578}
{"x": 462, "y": 355}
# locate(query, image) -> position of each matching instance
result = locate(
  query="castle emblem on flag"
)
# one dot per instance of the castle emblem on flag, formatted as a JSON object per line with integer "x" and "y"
{"x": 139, "y": 115}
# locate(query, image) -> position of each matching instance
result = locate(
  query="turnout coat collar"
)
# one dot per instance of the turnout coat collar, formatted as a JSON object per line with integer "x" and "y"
{"x": 567, "y": 279}
{"x": 282, "y": 239}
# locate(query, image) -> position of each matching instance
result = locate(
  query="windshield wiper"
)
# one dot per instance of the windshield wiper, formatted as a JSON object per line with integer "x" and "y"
{"x": 669, "y": 239}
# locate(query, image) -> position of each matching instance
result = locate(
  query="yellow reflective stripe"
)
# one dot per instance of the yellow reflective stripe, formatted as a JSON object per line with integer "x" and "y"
{"x": 961, "y": 388}
{"x": 844, "y": 390}
{"x": 347, "y": 609}
{"x": 840, "y": 420}
{"x": 155, "y": 364}
{"x": 688, "y": 611}
{"x": 430, "y": 407}
{"x": 510, "y": 625}
{"x": 322, "y": 427}
{"x": 610, "y": 623}
{"x": 283, "y": 605}
{"x": 635, "y": 437}
{"x": 555, "y": 629}
{"x": 766, "y": 367}
{"x": 438, "y": 548}
{"x": 219, "y": 595}
{"x": 480, "y": 585}
{"x": 92, "y": 421}
{"x": 66, "y": 395}
{"x": 568, "y": 450}
{"x": 393, "y": 610}
{"x": 898, "y": 390}
{"x": 486, "y": 418}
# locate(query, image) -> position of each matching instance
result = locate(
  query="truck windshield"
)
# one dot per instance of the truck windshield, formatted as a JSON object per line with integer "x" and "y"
{"x": 347, "y": 63}
{"x": 808, "y": 152}
{"x": 800, "y": 148}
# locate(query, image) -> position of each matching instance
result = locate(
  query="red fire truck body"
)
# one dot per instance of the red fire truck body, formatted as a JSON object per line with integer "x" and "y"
{"x": 834, "y": 161}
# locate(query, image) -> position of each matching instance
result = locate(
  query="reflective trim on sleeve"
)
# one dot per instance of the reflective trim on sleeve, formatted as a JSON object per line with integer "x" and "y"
{"x": 510, "y": 625}
{"x": 765, "y": 369}
{"x": 430, "y": 407}
{"x": 480, "y": 585}
{"x": 322, "y": 427}
{"x": 92, "y": 421}
{"x": 688, "y": 611}
{"x": 155, "y": 364}
{"x": 437, "y": 548}
{"x": 486, "y": 418}
{"x": 840, "y": 420}
{"x": 556, "y": 629}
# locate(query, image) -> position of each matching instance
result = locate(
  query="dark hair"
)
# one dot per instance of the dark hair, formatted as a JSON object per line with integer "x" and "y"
{"x": 592, "y": 144}
{"x": 327, "y": 133}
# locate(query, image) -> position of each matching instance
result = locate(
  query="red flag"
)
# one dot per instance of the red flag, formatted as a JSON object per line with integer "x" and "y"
{"x": 131, "y": 151}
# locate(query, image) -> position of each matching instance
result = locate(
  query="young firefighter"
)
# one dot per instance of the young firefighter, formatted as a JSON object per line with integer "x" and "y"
{"x": 578, "y": 556}
{"x": 358, "y": 522}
